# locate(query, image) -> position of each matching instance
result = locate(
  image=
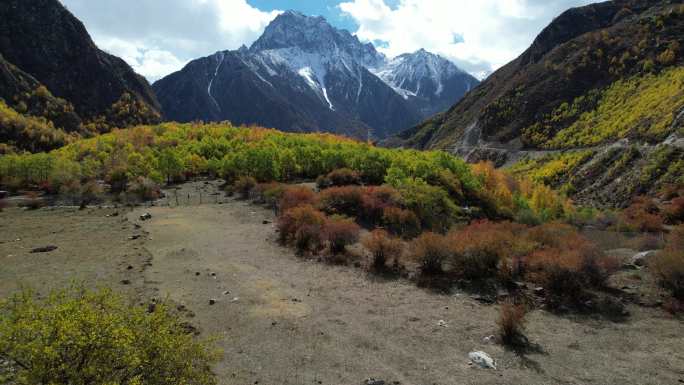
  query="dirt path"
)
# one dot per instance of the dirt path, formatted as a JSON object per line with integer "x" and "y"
{"x": 283, "y": 320}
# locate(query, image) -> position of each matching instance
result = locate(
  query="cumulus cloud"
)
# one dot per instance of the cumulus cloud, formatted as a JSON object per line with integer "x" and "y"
{"x": 480, "y": 36}
{"x": 158, "y": 37}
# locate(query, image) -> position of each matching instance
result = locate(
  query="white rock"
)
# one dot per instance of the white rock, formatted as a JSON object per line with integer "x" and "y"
{"x": 482, "y": 360}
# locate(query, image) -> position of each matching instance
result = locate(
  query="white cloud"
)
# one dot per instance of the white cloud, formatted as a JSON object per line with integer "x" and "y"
{"x": 480, "y": 36}
{"x": 159, "y": 37}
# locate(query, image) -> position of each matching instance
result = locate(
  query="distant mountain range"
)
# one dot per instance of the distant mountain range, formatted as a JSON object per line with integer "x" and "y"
{"x": 304, "y": 75}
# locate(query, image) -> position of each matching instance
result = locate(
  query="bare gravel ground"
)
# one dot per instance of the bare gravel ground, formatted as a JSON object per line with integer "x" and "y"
{"x": 284, "y": 320}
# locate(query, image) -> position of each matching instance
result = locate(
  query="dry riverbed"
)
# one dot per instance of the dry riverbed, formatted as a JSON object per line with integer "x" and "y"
{"x": 284, "y": 320}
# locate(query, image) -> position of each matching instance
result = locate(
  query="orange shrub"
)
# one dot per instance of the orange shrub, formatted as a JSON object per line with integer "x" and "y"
{"x": 512, "y": 324}
{"x": 302, "y": 225}
{"x": 382, "y": 248}
{"x": 404, "y": 223}
{"x": 430, "y": 251}
{"x": 566, "y": 263}
{"x": 478, "y": 249}
{"x": 341, "y": 200}
{"x": 674, "y": 212}
{"x": 34, "y": 201}
{"x": 669, "y": 264}
{"x": 339, "y": 233}
{"x": 297, "y": 196}
{"x": 374, "y": 201}
{"x": 643, "y": 215}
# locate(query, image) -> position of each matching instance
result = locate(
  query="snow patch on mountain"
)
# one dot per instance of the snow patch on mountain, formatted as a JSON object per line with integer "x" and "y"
{"x": 220, "y": 57}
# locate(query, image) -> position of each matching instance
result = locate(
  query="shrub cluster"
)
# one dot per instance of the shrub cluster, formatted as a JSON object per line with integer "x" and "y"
{"x": 76, "y": 336}
{"x": 339, "y": 177}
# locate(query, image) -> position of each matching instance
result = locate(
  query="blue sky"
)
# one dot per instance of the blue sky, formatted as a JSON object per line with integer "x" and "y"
{"x": 158, "y": 37}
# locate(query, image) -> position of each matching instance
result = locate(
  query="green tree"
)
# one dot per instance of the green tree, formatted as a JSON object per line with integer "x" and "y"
{"x": 170, "y": 164}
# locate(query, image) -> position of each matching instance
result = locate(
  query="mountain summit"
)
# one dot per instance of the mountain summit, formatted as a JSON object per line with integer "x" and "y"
{"x": 303, "y": 74}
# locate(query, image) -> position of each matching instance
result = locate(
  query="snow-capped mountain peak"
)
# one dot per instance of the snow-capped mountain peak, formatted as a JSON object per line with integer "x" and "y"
{"x": 305, "y": 74}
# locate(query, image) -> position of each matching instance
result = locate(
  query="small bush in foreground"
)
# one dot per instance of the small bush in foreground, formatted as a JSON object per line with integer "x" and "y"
{"x": 512, "y": 324}
{"x": 430, "y": 251}
{"x": 297, "y": 196}
{"x": 244, "y": 185}
{"x": 375, "y": 200}
{"x": 340, "y": 233}
{"x": 77, "y": 336}
{"x": 669, "y": 264}
{"x": 383, "y": 248}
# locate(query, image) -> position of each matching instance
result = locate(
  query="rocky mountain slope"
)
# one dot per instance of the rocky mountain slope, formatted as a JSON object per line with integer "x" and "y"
{"x": 51, "y": 69}
{"x": 594, "y": 106}
{"x": 303, "y": 74}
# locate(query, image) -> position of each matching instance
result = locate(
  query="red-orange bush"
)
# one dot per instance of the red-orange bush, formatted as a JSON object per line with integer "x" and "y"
{"x": 374, "y": 201}
{"x": 404, "y": 223}
{"x": 430, "y": 251}
{"x": 669, "y": 264}
{"x": 512, "y": 324}
{"x": 566, "y": 263}
{"x": 297, "y": 196}
{"x": 643, "y": 215}
{"x": 674, "y": 212}
{"x": 339, "y": 177}
{"x": 340, "y": 233}
{"x": 303, "y": 226}
{"x": 383, "y": 248}
{"x": 341, "y": 200}
{"x": 478, "y": 249}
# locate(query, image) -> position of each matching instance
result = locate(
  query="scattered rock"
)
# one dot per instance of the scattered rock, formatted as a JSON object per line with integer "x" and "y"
{"x": 44, "y": 249}
{"x": 145, "y": 217}
{"x": 125, "y": 282}
{"x": 114, "y": 214}
{"x": 134, "y": 237}
{"x": 235, "y": 299}
{"x": 226, "y": 292}
{"x": 212, "y": 274}
{"x": 212, "y": 301}
{"x": 482, "y": 360}
{"x": 137, "y": 226}
{"x": 266, "y": 222}
{"x": 129, "y": 267}
{"x": 489, "y": 338}
{"x": 197, "y": 273}
{"x": 373, "y": 381}
{"x": 442, "y": 323}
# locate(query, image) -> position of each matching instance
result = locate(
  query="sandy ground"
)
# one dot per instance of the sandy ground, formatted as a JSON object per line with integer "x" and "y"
{"x": 284, "y": 320}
